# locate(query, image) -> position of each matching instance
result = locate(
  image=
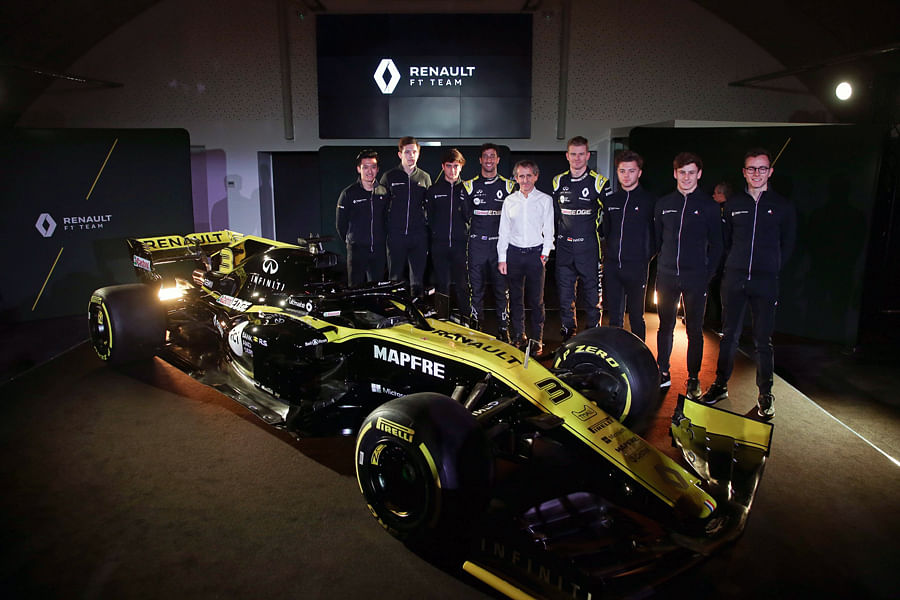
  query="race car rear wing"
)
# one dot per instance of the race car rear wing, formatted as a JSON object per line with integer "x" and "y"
{"x": 150, "y": 252}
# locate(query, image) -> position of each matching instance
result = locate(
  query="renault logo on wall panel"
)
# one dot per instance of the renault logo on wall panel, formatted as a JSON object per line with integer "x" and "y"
{"x": 387, "y": 87}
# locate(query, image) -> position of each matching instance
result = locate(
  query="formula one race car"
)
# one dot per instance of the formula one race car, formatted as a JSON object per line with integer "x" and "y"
{"x": 535, "y": 471}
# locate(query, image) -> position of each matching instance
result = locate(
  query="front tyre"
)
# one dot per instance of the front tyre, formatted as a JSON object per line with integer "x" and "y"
{"x": 613, "y": 368}
{"x": 127, "y": 322}
{"x": 424, "y": 466}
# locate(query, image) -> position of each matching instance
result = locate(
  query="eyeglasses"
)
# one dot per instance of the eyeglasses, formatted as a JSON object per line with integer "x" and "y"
{"x": 760, "y": 170}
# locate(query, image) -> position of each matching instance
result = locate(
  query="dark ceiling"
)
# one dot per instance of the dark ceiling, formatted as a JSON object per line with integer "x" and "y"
{"x": 817, "y": 39}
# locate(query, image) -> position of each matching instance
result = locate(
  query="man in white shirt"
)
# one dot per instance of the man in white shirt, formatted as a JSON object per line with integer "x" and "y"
{"x": 525, "y": 242}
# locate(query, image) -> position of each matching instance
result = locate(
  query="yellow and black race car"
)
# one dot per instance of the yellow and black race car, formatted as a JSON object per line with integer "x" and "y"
{"x": 534, "y": 471}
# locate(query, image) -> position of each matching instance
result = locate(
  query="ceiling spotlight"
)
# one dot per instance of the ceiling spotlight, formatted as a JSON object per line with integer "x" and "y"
{"x": 843, "y": 91}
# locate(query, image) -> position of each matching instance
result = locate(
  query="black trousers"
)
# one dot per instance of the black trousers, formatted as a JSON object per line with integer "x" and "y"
{"x": 626, "y": 288}
{"x": 692, "y": 290}
{"x": 483, "y": 270}
{"x": 761, "y": 295}
{"x": 365, "y": 262}
{"x": 525, "y": 273}
{"x": 409, "y": 250}
{"x": 574, "y": 261}
{"x": 448, "y": 264}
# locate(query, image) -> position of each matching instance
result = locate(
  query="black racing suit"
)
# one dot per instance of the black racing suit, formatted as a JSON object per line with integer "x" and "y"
{"x": 577, "y": 203}
{"x": 759, "y": 238}
{"x": 484, "y": 202}
{"x": 360, "y": 222}
{"x": 407, "y": 232}
{"x": 628, "y": 240}
{"x": 446, "y": 202}
{"x": 689, "y": 238}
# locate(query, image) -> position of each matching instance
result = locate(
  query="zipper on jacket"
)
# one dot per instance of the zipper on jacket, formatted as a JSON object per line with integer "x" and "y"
{"x": 680, "y": 228}
{"x": 753, "y": 235}
{"x": 372, "y": 220}
{"x": 408, "y": 200}
{"x": 622, "y": 229}
{"x": 450, "y": 236}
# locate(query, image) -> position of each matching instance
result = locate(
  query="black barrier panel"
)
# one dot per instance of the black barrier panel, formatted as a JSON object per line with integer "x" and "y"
{"x": 445, "y": 75}
{"x": 829, "y": 173}
{"x": 72, "y": 197}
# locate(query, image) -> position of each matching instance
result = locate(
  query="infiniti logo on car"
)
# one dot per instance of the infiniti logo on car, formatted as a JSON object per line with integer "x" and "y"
{"x": 270, "y": 265}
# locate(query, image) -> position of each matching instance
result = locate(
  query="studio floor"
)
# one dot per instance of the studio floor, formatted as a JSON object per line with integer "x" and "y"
{"x": 146, "y": 484}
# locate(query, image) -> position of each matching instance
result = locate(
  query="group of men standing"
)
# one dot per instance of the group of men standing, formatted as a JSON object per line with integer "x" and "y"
{"x": 491, "y": 231}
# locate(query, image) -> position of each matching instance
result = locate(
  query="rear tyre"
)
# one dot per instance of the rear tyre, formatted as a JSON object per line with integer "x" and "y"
{"x": 615, "y": 369}
{"x": 423, "y": 464}
{"x": 127, "y": 322}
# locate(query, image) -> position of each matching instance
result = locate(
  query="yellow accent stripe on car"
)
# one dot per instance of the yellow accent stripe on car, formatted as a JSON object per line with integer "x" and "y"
{"x": 743, "y": 430}
{"x": 499, "y": 584}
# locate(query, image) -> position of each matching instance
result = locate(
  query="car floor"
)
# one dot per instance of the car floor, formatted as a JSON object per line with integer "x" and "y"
{"x": 146, "y": 484}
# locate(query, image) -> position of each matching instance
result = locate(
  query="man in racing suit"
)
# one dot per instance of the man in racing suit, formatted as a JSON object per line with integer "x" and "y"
{"x": 577, "y": 203}
{"x": 449, "y": 236}
{"x": 360, "y": 221}
{"x": 407, "y": 233}
{"x": 688, "y": 230}
{"x": 484, "y": 202}
{"x": 760, "y": 231}
{"x": 628, "y": 244}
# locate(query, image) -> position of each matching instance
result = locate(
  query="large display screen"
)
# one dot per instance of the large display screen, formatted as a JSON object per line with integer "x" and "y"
{"x": 449, "y": 76}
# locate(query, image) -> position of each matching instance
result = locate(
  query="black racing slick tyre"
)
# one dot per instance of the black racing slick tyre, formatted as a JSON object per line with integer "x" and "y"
{"x": 613, "y": 368}
{"x": 424, "y": 466}
{"x": 127, "y": 322}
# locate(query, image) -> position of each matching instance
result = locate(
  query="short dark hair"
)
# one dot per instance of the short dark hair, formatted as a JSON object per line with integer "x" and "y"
{"x": 406, "y": 141}
{"x": 489, "y": 146}
{"x": 367, "y": 153}
{"x": 754, "y": 152}
{"x": 526, "y": 163}
{"x": 629, "y": 156}
{"x": 453, "y": 155}
{"x": 578, "y": 140}
{"x": 686, "y": 158}
{"x": 726, "y": 188}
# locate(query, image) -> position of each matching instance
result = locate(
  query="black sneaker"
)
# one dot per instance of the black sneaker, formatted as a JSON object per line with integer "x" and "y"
{"x": 766, "y": 405}
{"x": 665, "y": 380}
{"x": 716, "y": 393}
{"x": 503, "y": 335}
{"x": 693, "y": 388}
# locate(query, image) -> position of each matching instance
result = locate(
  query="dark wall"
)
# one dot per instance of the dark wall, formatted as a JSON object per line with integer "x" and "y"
{"x": 98, "y": 186}
{"x": 829, "y": 172}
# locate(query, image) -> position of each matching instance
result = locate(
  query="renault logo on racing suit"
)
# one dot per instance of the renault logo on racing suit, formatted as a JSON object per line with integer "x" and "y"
{"x": 270, "y": 265}
{"x": 387, "y": 87}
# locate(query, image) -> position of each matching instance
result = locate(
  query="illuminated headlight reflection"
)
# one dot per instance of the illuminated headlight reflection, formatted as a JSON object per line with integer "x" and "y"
{"x": 170, "y": 293}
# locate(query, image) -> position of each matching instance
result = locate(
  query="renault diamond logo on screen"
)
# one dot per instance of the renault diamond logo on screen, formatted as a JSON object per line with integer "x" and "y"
{"x": 45, "y": 225}
{"x": 387, "y": 64}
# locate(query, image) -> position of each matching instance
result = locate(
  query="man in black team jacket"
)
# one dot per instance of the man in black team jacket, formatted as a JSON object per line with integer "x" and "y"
{"x": 449, "y": 236}
{"x": 361, "y": 221}
{"x": 407, "y": 237}
{"x": 628, "y": 244}
{"x": 760, "y": 231}
{"x": 484, "y": 202}
{"x": 577, "y": 201}
{"x": 688, "y": 230}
